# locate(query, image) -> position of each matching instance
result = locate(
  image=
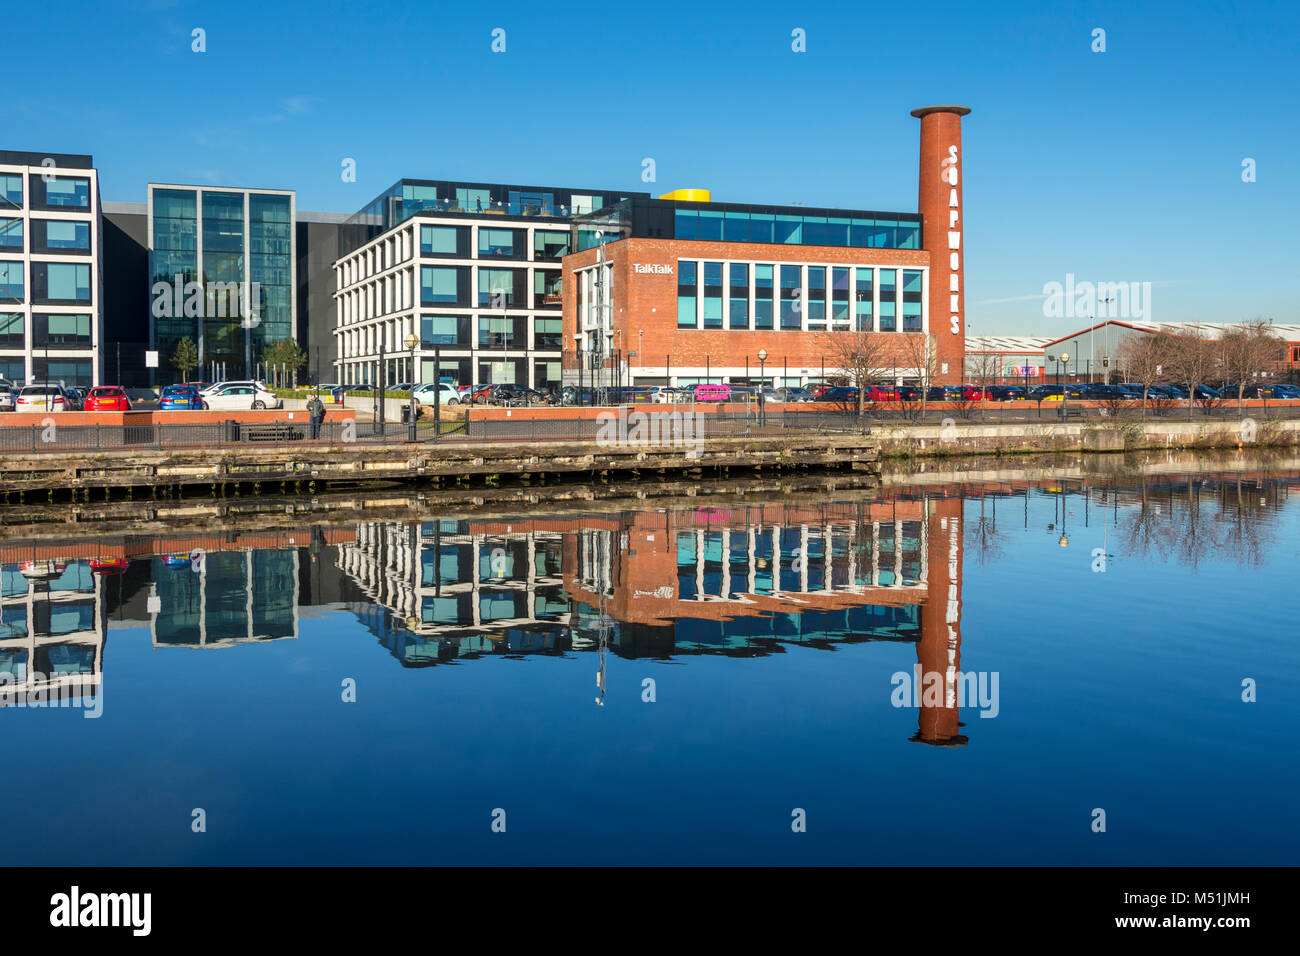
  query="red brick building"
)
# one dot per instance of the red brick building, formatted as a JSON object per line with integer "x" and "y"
{"x": 682, "y": 290}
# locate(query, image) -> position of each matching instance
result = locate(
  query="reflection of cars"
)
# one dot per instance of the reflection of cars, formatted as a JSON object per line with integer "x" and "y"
{"x": 177, "y": 561}
{"x": 41, "y": 570}
{"x": 108, "y": 565}
{"x": 176, "y": 397}
{"x": 107, "y": 398}
{"x": 230, "y": 398}
{"x": 43, "y": 398}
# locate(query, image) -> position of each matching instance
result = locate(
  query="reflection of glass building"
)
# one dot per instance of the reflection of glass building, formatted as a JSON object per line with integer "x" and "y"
{"x": 472, "y": 269}
{"x": 240, "y": 244}
{"x": 51, "y": 628}
{"x": 445, "y": 589}
{"x": 233, "y": 597}
{"x": 51, "y": 282}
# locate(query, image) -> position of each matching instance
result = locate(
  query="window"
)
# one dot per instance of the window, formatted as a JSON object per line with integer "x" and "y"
{"x": 888, "y": 295}
{"x": 11, "y": 234}
{"x": 911, "y": 300}
{"x": 64, "y": 281}
{"x": 710, "y": 225}
{"x": 713, "y": 295}
{"x": 67, "y": 192}
{"x": 548, "y": 334}
{"x": 496, "y": 331}
{"x": 814, "y": 230}
{"x": 817, "y": 296}
{"x": 13, "y": 369}
{"x": 687, "y": 224}
{"x": 66, "y": 235}
{"x": 438, "y": 285}
{"x": 550, "y": 245}
{"x": 761, "y": 227}
{"x": 789, "y": 229}
{"x": 11, "y": 281}
{"x": 473, "y": 200}
{"x": 909, "y": 235}
{"x": 862, "y": 299}
{"x": 686, "y": 292}
{"x": 837, "y": 232}
{"x": 438, "y": 240}
{"x": 735, "y": 227}
{"x": 546, "y": 289}
{"x": 440, "y": 330}
{"x": 791, "y": 290}
{"x": 585, "y": 204}
{"x": 11, "y": 334}
{"x": 840, "y": 296}
{"x": 496, "y": 242}
{"x": 738, "y": 307}
{"x": 11, "y": 189}
{"x": 68, "y": 331}
{"x": 763, "y": 297}
{"x": 496, "y": 288}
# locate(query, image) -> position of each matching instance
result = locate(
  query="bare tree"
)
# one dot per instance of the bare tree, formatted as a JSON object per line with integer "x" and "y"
{"x": 919, "y": 352}
{"x": 1193, "y": 358}
{"x": 1145, "y": 358}
{"x": 862, "y": 358}
{"x": 1249, "y": 351}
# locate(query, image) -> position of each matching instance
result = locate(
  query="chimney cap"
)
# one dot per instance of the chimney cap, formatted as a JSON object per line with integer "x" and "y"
{"x": 924, "y": 110}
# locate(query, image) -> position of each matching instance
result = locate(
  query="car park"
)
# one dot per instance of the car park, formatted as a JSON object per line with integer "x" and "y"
{"x": 107, "y": 398}
{"x": 43, "y": 398}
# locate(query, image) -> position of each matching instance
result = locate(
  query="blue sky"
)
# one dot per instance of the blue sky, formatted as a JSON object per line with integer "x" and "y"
{"x": 1115, "y": 166}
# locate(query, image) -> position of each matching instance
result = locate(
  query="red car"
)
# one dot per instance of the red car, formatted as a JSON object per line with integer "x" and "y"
{"x": 973, "y": 393}
{"x": 877, "y": 393}
{"x": 107, "y": 398}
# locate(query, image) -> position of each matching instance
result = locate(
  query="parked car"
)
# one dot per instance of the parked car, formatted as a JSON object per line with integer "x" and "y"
{"x": 907, "y": 393}
{"x": 443, "y": 393}
{"x": 663, "y": 395}
{"x": 43, "y": 398}
{"x": 1006, "y": 393}
{"x": 507, "y": 394}
{"x": 208, "y": 389}
{"x": 944, "y": 393}
{"x": 1286, "y": 391}
{"x": 107, "y": 398}
{"x": 839, "y": 394}
{"x": 817, "y": 388}
{"x": 180, "y": 397}
{"x": 240, "y": 397}
{"x": 795, "y": 394}
{"x": 631, "y": 394}
{"x": 8, "y": 395}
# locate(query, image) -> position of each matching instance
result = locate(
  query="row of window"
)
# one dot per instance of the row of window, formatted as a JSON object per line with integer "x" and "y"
{"x": 740, "y": 295}
{"x": 495, "y": 243}
{"x": 56, "y": 192}
{"x": 48, "y": 235}
{"x": 51, "y": 282}
{"x": 721, "y": 226}
{"x": 68, "y": 371}
{"x": 52, "y": 330}
{"x": 535, "y": 373}
{"x": 497, "y": 288}
{"x": 462, "y": 332}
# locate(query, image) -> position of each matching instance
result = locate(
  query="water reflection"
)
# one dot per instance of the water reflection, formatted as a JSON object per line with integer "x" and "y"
{"x": 657, "y": 583}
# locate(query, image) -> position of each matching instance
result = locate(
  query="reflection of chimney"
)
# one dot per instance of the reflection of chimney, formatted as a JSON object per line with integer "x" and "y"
{"x": 939, "y": 650}
{"x": 939, "y": 201}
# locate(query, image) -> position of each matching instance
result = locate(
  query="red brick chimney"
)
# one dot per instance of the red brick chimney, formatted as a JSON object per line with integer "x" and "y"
{"x": 939, "y": 202}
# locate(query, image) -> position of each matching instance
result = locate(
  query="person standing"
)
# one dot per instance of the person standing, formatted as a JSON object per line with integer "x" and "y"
{"x": 316, "y": 411}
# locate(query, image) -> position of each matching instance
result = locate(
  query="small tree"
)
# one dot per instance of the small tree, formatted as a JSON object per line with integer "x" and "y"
{"x": 920, "y": 352}
{"x": 1248, "y": 351}
{"x": 287, "y": 353}
{"x": 1145, "y": 356}
{"x": 1194, "y": 359}
{"x": 185, "y": 357}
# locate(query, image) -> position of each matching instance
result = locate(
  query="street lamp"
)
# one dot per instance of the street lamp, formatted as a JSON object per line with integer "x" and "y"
{"x": 1065, "y": 358}
{"x": 762, "y": 384}
{"x": 412, "y": 342}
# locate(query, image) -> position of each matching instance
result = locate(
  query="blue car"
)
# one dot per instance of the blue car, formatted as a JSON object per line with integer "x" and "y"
{"x": 176, "y": 397}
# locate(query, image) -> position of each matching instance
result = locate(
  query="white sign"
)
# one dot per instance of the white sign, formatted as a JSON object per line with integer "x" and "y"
{"x": 655, "y": 268}
{"x": 952, "y": 177}
{"x": 150, "y": 359}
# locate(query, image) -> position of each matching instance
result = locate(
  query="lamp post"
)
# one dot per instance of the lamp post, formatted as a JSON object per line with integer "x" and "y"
{"x": 762, "y": 384}
{"x": 412, "y": 342}
{"x": 1065, "y": 358}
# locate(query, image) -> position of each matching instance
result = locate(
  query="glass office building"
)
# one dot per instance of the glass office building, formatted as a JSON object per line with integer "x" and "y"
{"x": 51, "y": 283}
{"x": 222, "y": 274}
{"x": 473, "y": 270}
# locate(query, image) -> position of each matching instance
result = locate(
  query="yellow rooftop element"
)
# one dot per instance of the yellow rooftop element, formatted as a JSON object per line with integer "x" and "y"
{"x": 689, "y": 195}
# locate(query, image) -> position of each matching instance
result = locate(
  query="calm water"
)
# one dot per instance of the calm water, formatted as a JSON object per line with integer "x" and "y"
{"x": 501, "y": 663}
